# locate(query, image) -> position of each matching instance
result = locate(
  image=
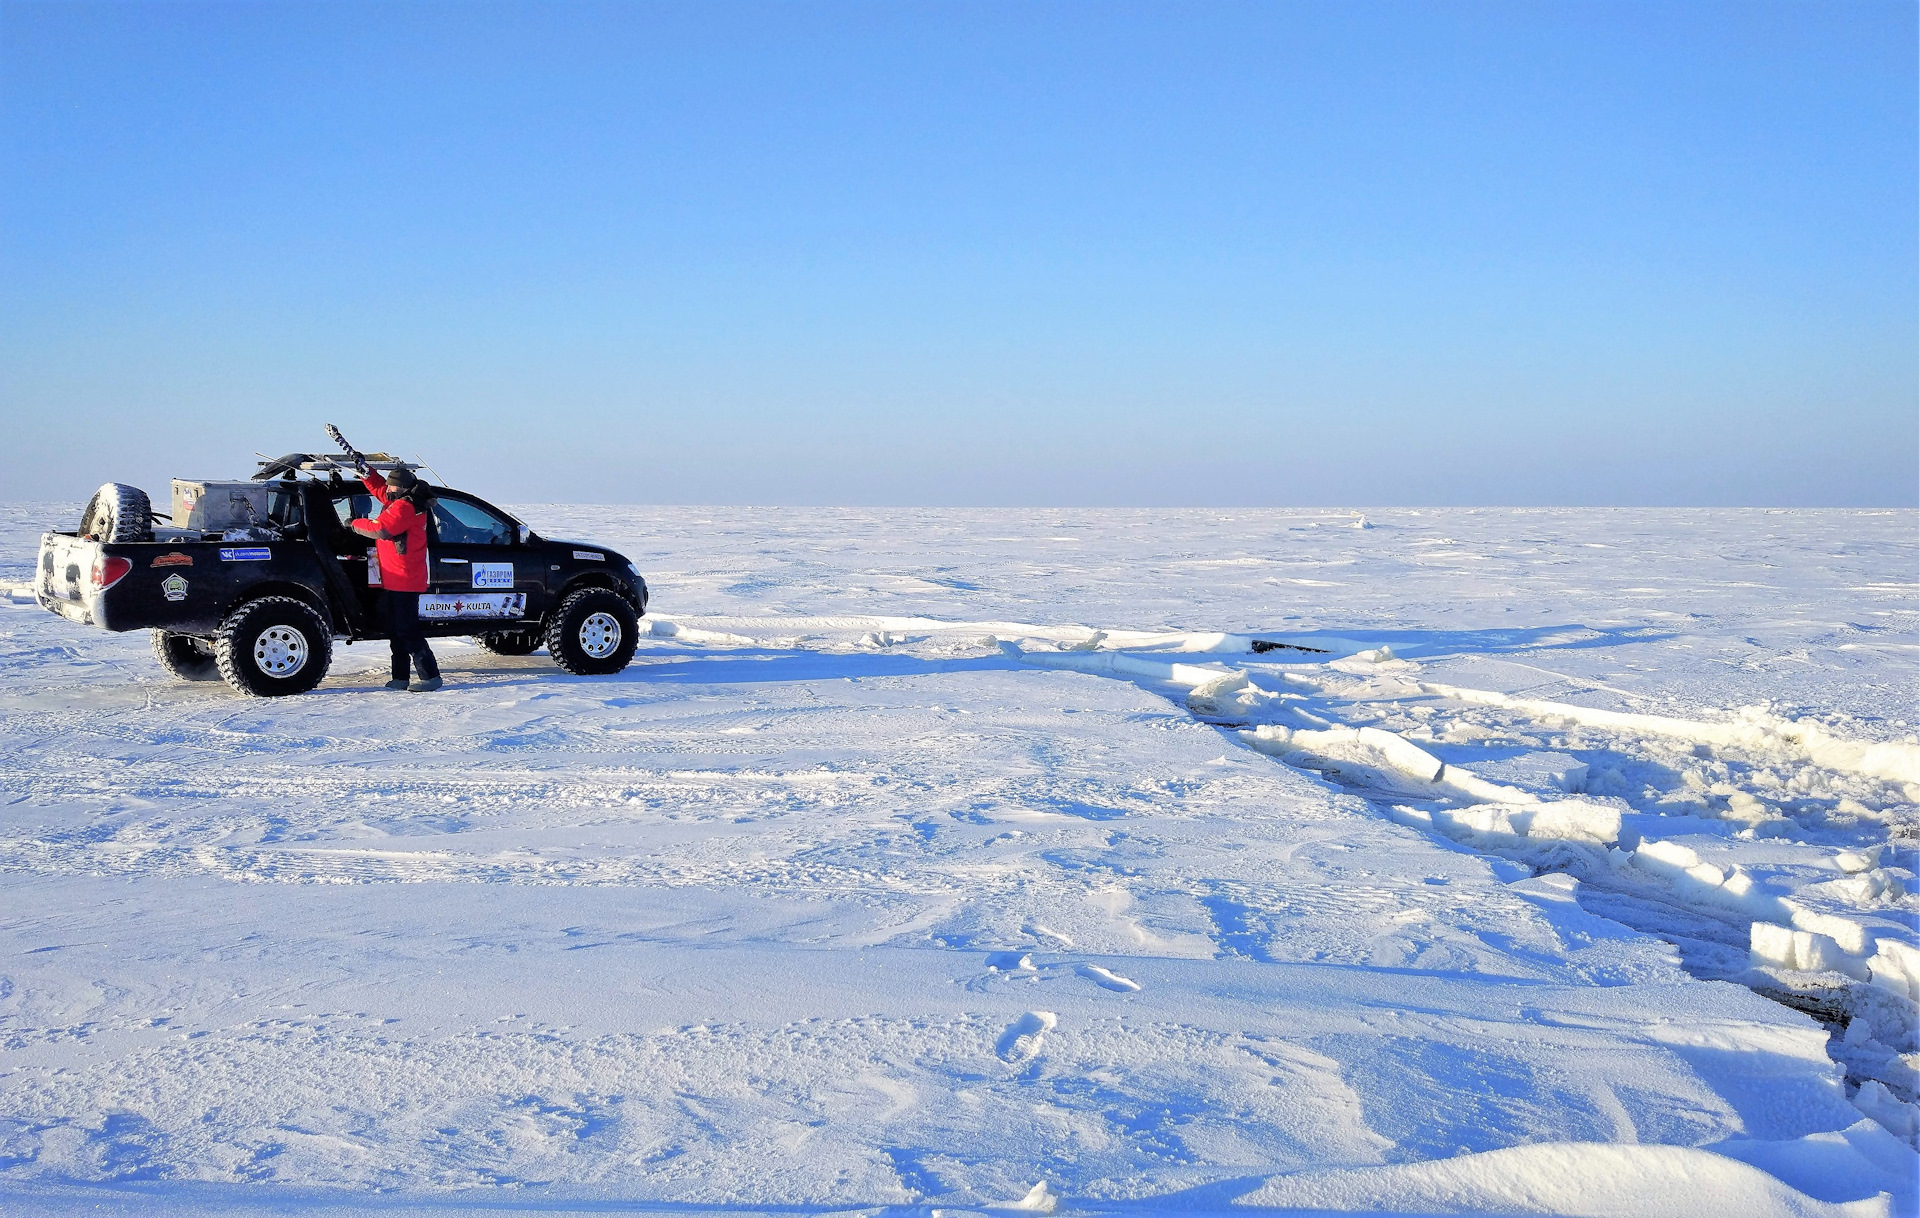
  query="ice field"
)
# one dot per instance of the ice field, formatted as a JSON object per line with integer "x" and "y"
{"x": 1441, "y": 862}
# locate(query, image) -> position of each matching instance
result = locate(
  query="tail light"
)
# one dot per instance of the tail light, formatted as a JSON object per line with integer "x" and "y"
{"x": 109, "y": 570}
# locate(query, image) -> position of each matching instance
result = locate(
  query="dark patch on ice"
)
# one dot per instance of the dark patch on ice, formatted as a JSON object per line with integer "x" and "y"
{"x": 129, "y": 1147}
{"x": 1152, "y": 1122}
{"x": 915, "y": 1175}
{"x": 1239, "y": 928}
{"x": 505, "y": 741}
{"x": 1082, "y": 809}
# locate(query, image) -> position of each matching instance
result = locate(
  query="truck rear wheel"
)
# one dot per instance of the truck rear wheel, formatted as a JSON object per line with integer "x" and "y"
{"x": 273, "y": 646}
{"x": 118, "y": 513}
{"x": 185, "y": 657}
{"x": 593, "y": 633}
{"x": 510, "y": 642}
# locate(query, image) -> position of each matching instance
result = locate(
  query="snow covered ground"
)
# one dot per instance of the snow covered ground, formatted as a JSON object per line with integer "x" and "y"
{"x": 992, "y": 860}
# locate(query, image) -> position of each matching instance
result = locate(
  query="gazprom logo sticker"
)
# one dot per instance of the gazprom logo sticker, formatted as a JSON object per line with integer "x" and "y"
{"x": 245, "y": 554}
{"x": 493, "y": 575}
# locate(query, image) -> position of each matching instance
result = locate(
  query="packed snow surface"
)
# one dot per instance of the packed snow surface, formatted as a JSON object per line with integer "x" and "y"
{"x": 1025, "y": 861}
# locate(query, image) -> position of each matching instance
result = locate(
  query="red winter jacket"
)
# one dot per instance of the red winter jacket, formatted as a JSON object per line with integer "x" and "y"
{"x": 402, "y": 535}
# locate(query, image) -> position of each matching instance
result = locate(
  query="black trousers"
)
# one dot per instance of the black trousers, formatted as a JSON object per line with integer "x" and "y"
{"x": 402, "y": 610}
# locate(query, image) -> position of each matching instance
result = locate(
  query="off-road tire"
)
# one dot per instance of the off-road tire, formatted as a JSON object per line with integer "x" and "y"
{"x": 510, "y": 642}
{"x": 185, "y": 657}
{"x": 118, "y": 512}
{"x": 261, "y": 636}
{"x": 593, "y": 633}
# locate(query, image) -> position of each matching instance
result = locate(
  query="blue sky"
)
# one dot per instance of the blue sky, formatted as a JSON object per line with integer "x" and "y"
{"x": 983, "y": 253}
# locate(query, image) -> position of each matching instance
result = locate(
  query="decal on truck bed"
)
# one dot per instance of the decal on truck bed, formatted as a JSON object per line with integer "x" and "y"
{"x": 498, "y": 604}
{"x": 174, "y": 587}
{"x": 245, "y": 554}
{"x": 175, "y": 559}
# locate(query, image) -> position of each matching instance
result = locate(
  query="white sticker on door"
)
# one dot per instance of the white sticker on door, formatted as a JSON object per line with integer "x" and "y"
{"x": 494, "y": 604}
{"x": 493, "y": 575}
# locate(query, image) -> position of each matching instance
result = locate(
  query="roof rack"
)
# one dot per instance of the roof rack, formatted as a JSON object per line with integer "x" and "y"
{"x": 283, "y": 467}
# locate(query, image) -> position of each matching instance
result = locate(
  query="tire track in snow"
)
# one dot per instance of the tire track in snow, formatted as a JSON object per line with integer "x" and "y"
{"x": 341, "y": 865}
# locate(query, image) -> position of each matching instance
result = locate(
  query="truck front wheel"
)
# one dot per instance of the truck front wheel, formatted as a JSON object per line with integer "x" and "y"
{"x": 273, "y": 646}
{"x": 593, "y": 633}
{"x": 184, "y": 657}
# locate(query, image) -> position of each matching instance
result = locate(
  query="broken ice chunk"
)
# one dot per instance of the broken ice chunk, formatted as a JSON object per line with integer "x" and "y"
{"x": 1896, "y": 966}
{"x": 1535, "y": 772}
{"x": 1801, "y": 951}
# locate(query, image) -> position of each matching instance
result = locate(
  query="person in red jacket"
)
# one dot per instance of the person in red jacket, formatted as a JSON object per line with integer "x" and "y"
{"x": 400, "y": 532}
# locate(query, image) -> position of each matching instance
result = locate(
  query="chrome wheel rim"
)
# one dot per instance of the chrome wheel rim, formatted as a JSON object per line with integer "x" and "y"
{"x": 280, "y": 651}
{"x": 599, "y": 635}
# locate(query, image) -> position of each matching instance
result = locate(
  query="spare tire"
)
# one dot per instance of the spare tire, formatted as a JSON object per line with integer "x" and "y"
{"x": 118, "y": 512}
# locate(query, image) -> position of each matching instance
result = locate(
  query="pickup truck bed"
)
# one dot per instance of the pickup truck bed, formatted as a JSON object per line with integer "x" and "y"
{"x": 184, "y": 587}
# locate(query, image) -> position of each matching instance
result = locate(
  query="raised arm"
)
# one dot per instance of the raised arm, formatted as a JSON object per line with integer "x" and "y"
{"x": 390, "y": 525}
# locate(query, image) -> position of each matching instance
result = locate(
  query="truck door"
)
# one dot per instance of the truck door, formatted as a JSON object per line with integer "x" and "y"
{"x": 480, "y": 573}
{"x": 343, "y": 573}
{"x": 352, "y": 550}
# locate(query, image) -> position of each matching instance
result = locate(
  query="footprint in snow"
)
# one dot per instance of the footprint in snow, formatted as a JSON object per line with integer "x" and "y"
{"x": 1108, "y": 979}
{"x": 1022, "y": 1038}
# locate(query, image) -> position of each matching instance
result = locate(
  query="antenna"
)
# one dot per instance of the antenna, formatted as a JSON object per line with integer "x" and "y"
{"x": 436, "y": 473}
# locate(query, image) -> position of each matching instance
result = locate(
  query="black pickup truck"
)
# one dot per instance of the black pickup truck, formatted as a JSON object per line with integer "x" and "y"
{"x": 253, "y": 581}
